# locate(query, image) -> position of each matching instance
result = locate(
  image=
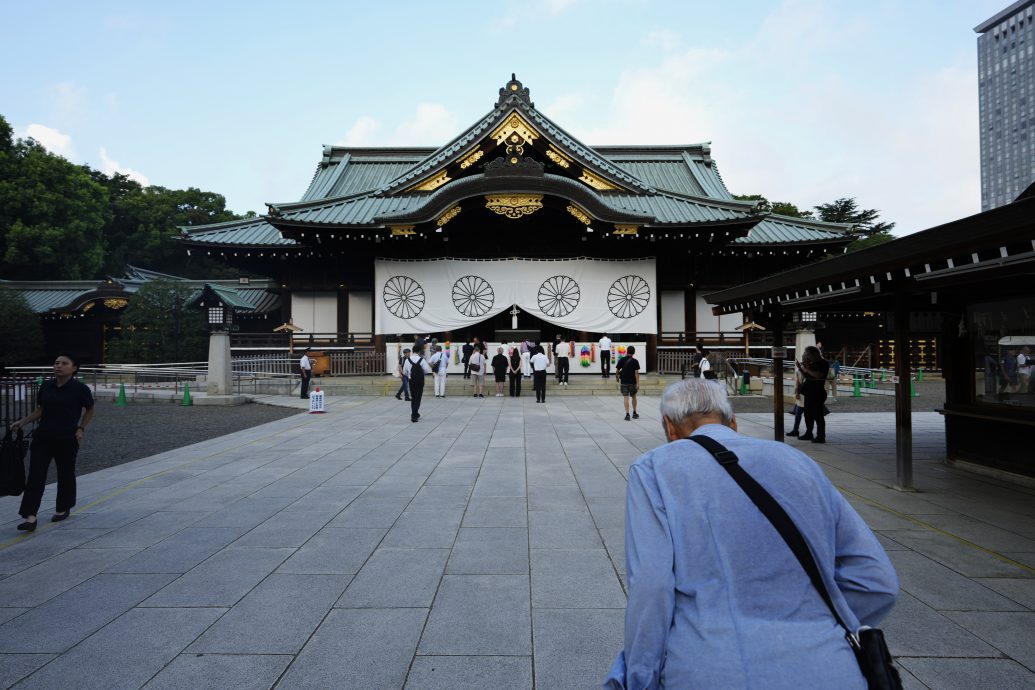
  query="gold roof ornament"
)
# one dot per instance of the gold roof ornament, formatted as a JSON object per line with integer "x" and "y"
{"x": 557, "y": 157}
{"x": 449, "y": 215}
{"x": 432, "y": 183}
{"x": 514, "y": 205}
{"x": 115, "y": 303}
{"x": 403, "y": 230}
{"x": 596, "y": 182}
{"x": 515, "y": 130}
{"x": 579, "y": 214}
{"x": 472, "y": 159}
{"x": 626, "y": 230}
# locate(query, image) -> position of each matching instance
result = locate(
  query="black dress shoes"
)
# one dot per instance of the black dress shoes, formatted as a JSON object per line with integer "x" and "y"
{"x": 58, "y": 517}
{"x": 26, "y": 526}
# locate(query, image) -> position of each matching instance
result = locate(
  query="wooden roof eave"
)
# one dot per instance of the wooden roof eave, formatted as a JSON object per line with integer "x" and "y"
{"x": 980, "y": 233}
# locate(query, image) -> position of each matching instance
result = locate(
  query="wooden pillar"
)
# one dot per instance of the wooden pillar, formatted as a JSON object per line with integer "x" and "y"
{"x": 903, "y": 405}
{"x": 285, "y": 305}
{"x": 778, "y": 378}
{"x": 343, "y": 315}
{"x": 690, "y": 314}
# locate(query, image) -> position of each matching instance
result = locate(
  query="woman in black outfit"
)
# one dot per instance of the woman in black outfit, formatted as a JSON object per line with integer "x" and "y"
{"x": 813, "y": 370}
{"x": 60, "y": 408}
{"x": 514, "y": 372}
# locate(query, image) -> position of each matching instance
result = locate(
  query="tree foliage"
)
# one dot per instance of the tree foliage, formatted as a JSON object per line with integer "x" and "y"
{"x": 21, "y": 340}
{"x": 158, "y": 326}
{"x": 52, "y": 214}
{"x": 846, "y": 210}
{"x": 783, "y": 208}
{"x": 872, "y": 231}
{"x": 144, "y": 219}
{"x": 60, "y": 221}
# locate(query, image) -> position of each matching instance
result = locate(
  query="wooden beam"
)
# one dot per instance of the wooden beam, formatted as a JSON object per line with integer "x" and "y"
{"x": 903, "y": 404}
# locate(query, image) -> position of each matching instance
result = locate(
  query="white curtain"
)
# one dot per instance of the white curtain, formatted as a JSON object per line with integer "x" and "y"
{"x": 578, "y": 294}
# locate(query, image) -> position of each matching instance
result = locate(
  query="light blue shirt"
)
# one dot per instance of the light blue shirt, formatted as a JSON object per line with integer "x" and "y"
{"x": 716, "y": 597}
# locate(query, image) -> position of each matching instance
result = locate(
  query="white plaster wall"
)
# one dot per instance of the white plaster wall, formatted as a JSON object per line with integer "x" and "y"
{"x": 361, "y": 312}
{"x": 315, "y": 312}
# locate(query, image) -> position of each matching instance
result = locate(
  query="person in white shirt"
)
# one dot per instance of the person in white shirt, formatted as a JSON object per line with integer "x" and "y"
{"x": 526, "y": 359}
{"x": 563, "y": 351}
{"x": 439, "y": 365}
{"x": 539, "y": 363}
{"x": 605, "y": 356}
{"x": 306, "y": 367}
{"x": 477, "y": 364}
{"x": 414, "y": 368}
{"x": 705, "y": 367}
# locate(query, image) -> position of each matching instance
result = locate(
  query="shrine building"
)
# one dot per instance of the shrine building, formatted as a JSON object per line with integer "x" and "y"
{"x": 514, "y": 229}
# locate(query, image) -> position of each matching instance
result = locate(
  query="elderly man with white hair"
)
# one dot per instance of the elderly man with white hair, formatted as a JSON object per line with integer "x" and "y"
{"x": 716, "y": 597}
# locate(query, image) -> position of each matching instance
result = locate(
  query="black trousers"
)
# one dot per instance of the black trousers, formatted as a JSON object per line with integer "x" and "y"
{"x": 305, "y": 384}
{"x": 562, "y": 370}
{"x": 416, "y": 393}
{"x": 62, "y": 449}
{"x": 815, "y": 395}
{"x": 605, "y": 363}
{"x": 515, "y": 384}
{"x": 539, "y": 385}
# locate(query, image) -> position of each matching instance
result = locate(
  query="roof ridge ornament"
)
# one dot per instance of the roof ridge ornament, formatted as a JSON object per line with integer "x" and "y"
{"x": 514, "y": 88}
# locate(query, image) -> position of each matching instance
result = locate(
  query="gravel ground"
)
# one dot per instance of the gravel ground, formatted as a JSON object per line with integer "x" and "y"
{"x": 121, "y": 434}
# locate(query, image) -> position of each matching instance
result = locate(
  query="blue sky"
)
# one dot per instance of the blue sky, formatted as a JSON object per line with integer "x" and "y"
{"x": 803, "y": 100}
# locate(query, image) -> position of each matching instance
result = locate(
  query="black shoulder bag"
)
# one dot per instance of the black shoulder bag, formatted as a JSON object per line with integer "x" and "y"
{"x": 12, "y": 463}
{"x": 869, "y": 646}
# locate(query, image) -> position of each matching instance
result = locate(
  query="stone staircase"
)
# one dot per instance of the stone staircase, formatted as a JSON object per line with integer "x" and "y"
{"x": 586, "y": 384}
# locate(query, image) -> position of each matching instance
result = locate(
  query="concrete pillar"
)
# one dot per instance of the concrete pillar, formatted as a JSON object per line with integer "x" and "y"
{"x": 803, "y": 337}
{"x": 220, "y": 373}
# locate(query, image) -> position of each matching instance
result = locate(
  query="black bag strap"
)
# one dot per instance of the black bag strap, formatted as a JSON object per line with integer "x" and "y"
{"x": 783, "y": 523}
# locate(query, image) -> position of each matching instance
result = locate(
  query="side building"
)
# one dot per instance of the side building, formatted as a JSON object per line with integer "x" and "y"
{"x": 514, "y": 229}
{"x": 1006, "y": 88}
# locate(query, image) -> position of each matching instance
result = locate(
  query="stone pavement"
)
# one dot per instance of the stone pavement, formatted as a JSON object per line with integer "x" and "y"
{"x": 480, "y": 548}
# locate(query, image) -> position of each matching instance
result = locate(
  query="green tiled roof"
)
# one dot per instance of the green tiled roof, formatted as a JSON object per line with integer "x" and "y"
{"x": 58, "y": 295}
{"x": 775, "y": 229}
{"x": 366, "y": 188}
{"x": 254, "y": 232}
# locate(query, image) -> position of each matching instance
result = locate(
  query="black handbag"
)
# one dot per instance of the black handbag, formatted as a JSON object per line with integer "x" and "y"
{"x": 12, "y": 463}
{"x": 870, "y": 649}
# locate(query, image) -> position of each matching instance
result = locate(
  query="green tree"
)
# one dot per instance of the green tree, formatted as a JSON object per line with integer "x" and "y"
{"x": 782, "y": 208}
{"x": 144, "y": 221}
{"x": 21, "y": 338}
{"x": 158, "y": 326}
{"x": 846, "y": 210}
{"x": 52, "y": 214}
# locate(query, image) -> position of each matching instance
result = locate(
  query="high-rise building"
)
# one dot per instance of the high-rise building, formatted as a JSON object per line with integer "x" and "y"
{"x": 1006, "y": 87}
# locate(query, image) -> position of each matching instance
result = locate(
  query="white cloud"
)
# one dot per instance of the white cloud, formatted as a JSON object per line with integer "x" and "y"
{"x": 109, "y": 167}
{"x": 431, "y": 125}
{"x": 69, "y": 100}
{"x": 666, "y": 39}
{"x": 50, "y": 138}
{"x": 362, "y": 133}
{"x": 785, "y": 126}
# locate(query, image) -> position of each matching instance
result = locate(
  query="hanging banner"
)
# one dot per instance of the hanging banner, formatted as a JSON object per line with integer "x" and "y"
{"x": 438, "y": 295}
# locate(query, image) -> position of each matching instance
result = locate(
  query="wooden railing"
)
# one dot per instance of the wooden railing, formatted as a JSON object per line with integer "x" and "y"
{"x": 357, "y": 362}
{"x": 299, "y": 341}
